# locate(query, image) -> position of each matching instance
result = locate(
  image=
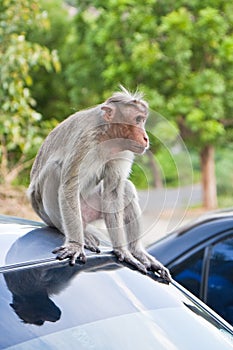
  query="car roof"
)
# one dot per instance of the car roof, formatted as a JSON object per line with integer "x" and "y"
{"x": 54, "y": 299}
{"x": 189, "y": 236}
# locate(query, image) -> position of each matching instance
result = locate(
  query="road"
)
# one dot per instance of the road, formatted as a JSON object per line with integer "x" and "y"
{"x": 164, "y": 210}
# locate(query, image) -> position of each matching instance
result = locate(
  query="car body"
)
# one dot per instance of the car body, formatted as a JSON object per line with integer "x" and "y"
{"x": 102, "y": 304}
{"x": 200, "y": 257}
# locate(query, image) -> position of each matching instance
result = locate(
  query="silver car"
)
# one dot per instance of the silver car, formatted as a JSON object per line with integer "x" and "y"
{"x": 103, "y": 304}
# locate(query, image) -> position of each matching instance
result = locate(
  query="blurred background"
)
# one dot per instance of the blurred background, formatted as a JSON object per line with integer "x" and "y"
{"x": 57, "y": 57}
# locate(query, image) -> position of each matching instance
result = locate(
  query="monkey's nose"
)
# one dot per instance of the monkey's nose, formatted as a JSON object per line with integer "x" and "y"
{"x": 146, "y": 139}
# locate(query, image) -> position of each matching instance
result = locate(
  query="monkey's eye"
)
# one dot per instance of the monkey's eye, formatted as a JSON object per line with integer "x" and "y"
{"x": 139, "y": 119}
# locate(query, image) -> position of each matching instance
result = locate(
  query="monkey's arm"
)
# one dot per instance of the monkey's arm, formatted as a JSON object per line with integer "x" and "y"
{"x": 70, "y": 211}
{"x": 122, "y": 216}
{"x": 134, "y": 233}
{"x": 113, "y": 213}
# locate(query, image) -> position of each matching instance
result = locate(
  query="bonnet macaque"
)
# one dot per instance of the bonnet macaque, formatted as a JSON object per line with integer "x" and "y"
{"x": 81, "y": 174}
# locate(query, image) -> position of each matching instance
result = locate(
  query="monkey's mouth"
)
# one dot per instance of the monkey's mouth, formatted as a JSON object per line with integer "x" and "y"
{"x": 139, "y": 149}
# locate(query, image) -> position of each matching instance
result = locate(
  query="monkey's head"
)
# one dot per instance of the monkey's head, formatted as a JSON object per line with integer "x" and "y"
{"x": 125, "y": 116}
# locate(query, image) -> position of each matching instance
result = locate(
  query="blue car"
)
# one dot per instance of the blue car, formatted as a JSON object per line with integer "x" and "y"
{"x": 200, "y": 257}
{"x": 102, "y": 304}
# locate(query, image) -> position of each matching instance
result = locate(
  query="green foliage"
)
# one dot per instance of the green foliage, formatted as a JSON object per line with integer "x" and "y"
{"x": 179, "y": 53}
{"x": 140, "y": 174}
{"x": 19, "y": 120}
{"x": 224, "y": 170}
{"x": 51, "y": 90}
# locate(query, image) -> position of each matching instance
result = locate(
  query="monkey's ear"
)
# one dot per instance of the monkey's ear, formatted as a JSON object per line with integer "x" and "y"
{"x": 108, "y": 113}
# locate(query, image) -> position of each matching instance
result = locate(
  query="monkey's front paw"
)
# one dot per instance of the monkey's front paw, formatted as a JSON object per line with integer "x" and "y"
{"x": 72, "y": 250}
{"x": 152, "y": 264}
{"x": 125, "y": 255}
{"x": 161, "y": 270}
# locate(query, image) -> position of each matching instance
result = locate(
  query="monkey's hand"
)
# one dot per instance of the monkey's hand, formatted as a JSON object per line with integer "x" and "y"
{"x": 125, "y": 255}
{"x": 72, "y": 250}
{"x": 152, "y": 264}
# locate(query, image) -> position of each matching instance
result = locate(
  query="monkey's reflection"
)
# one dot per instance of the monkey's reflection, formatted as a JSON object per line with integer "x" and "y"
{"x": 31, "y": 288}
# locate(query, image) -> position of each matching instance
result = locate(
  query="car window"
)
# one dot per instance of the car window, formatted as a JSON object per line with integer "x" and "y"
{"x": 220, "y": 281}
{"x": 189, "y": 272}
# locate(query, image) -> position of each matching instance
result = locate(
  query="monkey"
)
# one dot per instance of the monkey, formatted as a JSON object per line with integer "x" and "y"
{"x": 80, "y": 175}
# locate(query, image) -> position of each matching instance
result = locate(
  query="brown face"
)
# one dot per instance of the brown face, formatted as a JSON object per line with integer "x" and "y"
{"x": 127, "y": 128}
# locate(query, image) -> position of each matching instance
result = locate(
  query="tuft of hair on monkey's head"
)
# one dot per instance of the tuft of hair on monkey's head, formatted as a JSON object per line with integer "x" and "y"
{"x": 128, "y": 98}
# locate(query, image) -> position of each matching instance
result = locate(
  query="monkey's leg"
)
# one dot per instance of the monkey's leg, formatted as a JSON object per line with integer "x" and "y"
{"x": 47, "y": 186}
{"x": 91, "y": 211}
{"x": 91, "y": 242}
{"x": 132, "y": 222}
{"x": 70, "y": 208}
{"x": 113, "y": 204}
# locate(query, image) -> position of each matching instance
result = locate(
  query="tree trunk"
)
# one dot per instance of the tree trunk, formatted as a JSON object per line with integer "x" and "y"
{"x": 157, "y": 180}
{"x": 208, "y": 178}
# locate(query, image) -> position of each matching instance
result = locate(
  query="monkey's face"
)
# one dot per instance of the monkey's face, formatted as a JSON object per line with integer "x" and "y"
{"x": 125, "y": 127}
{"x": 129, "y": 137}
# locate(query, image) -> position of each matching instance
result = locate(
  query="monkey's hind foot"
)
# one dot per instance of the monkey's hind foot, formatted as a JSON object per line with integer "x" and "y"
{"x": 72, "y": 250}
{"x": 91, "y": 242}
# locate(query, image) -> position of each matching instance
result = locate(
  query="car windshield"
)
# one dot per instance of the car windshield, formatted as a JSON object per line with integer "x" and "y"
{"x": 145, "y": 330}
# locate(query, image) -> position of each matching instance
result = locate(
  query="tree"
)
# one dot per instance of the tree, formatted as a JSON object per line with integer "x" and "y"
{"x": 200, "y": 102}
{"x": 179, "y": 52}
{"x": 51, "y": 90}
{"x": 19, "y": 121}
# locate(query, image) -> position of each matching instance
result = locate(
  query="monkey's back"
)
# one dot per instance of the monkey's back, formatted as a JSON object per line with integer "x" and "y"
{"x": 65, "y": 139}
